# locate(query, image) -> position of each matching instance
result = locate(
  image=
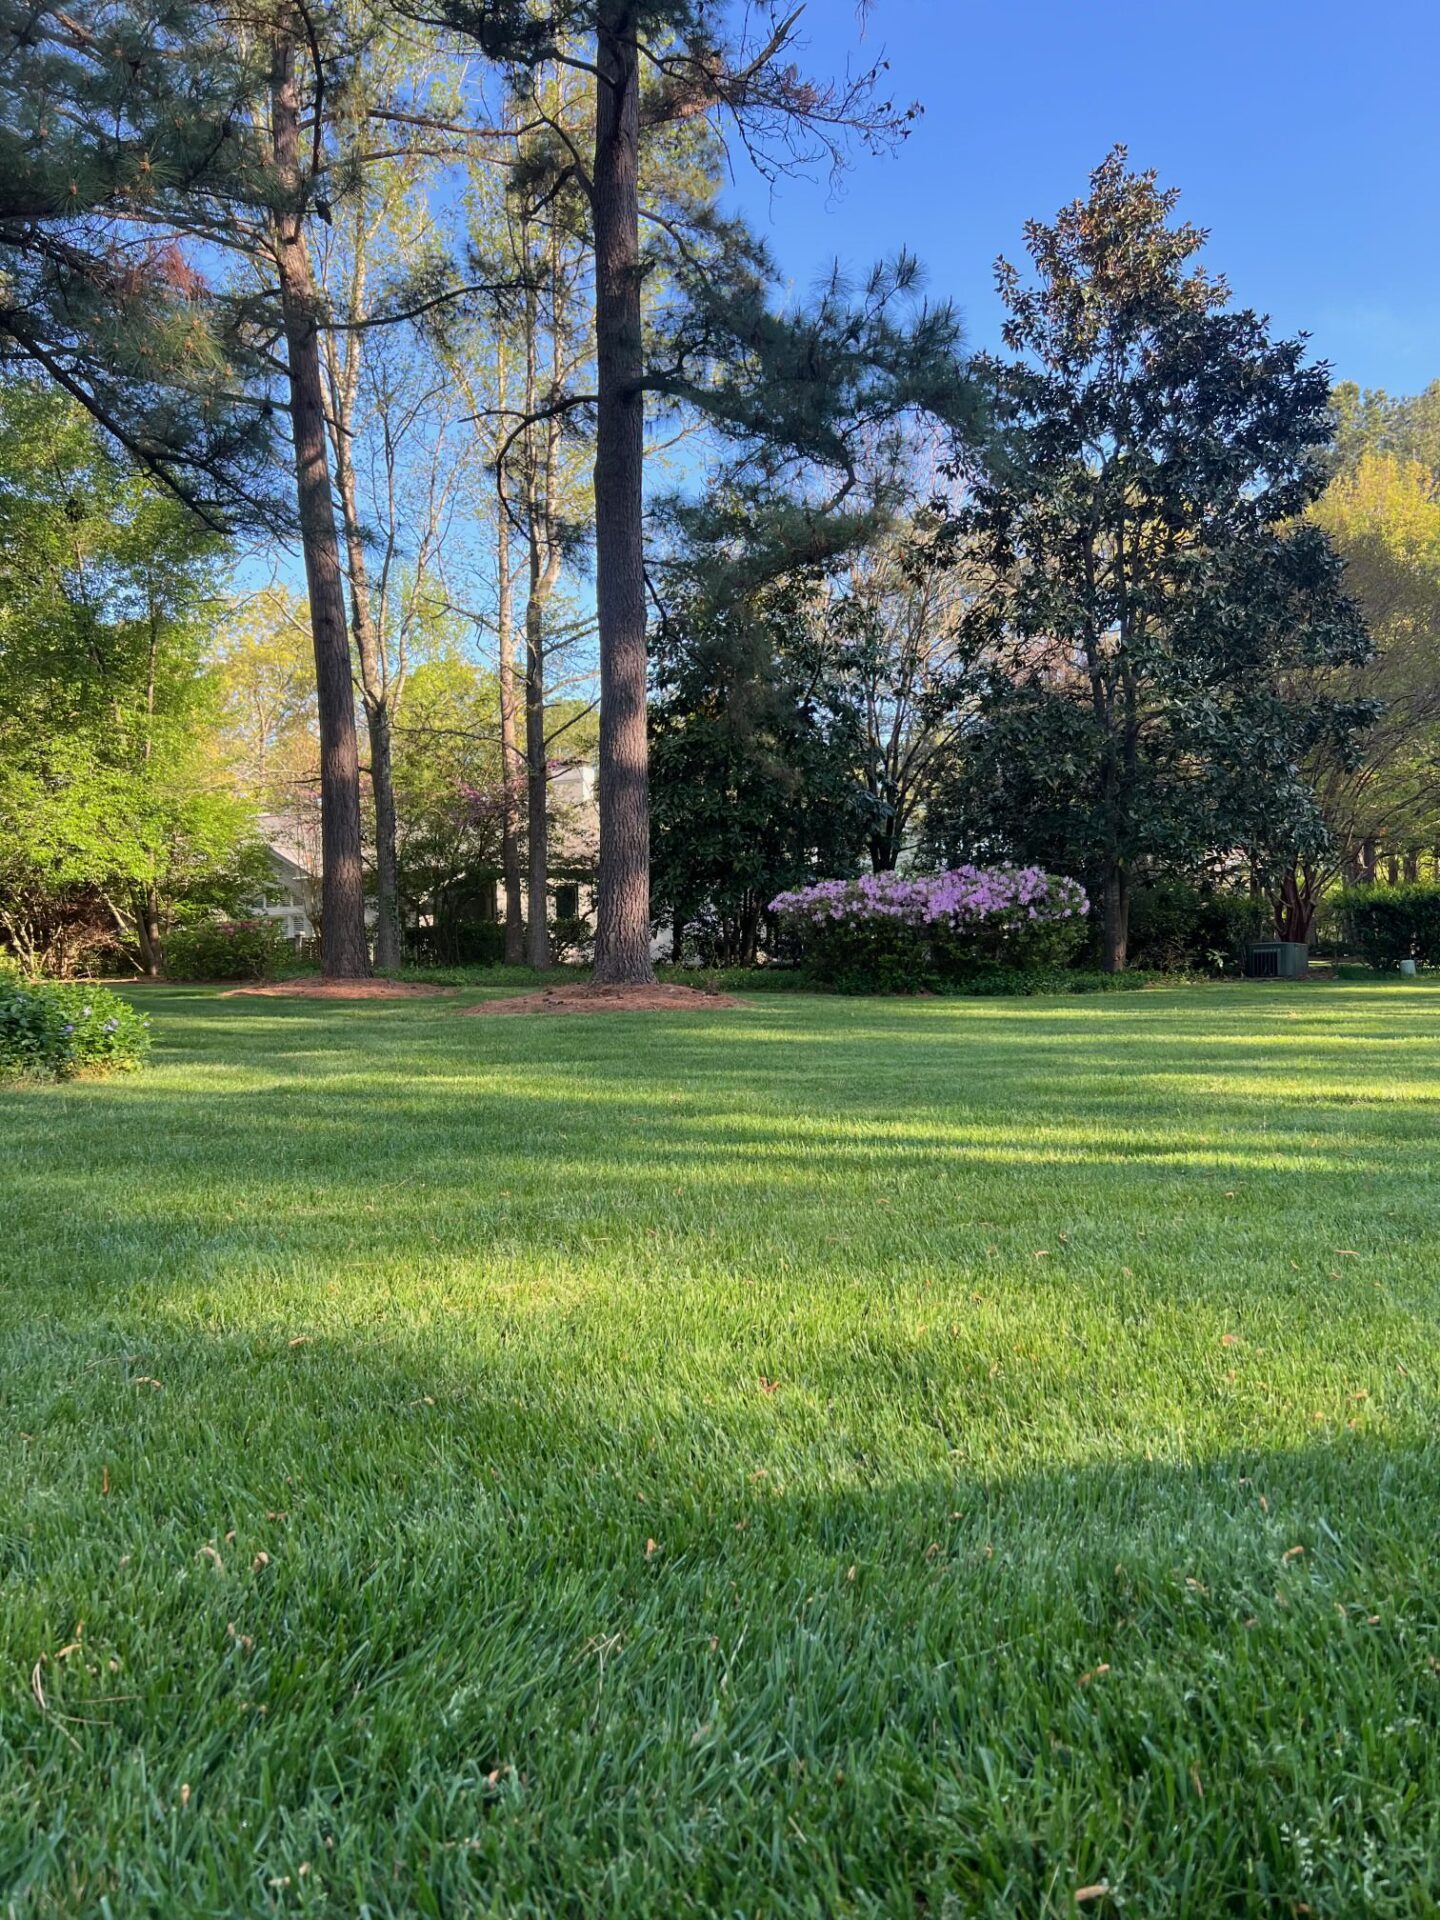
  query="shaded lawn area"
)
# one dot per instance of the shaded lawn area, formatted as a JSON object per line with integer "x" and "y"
{"x": 837, "y": 1457}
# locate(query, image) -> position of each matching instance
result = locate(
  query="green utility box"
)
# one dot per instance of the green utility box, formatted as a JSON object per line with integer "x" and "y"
{"x": 1277, "y": 960}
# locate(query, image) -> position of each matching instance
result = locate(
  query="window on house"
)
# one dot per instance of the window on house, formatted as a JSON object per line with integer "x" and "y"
{"x": 567, "y": 902}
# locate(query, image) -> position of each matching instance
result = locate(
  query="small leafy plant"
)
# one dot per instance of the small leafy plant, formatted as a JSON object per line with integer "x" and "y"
{"x": 54, "y": 1030}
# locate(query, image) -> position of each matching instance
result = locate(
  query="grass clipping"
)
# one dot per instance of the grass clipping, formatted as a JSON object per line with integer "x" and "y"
{"x": 585, "y": 998}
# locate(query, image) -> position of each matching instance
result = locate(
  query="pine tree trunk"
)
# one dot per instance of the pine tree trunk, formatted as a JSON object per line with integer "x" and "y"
{"x": 379, "y": 717}
{"x": 512, "y": 765}
{"x": 537, "y": 782}
{"x": 622, "y": 932}
{"x": 344, "y": 954}
{"x": 1116, "y": 910}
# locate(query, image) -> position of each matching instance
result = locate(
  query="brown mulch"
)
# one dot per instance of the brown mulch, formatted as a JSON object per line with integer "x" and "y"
{"x": 583, "y": 998}
{"x": 337, "y": 990}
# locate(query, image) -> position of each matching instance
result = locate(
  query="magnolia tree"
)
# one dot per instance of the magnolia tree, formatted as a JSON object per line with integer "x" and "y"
{"x": 896, "y": 932}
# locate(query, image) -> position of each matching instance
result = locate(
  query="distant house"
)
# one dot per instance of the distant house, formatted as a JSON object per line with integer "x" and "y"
{"x": 575, "y": 849}
{"x": 574, "y": 839}
{"x": 293, "y": 896}
{"x": 292, "y": 840}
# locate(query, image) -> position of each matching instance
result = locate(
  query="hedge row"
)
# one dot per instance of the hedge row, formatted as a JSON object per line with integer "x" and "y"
{"x": 1386, "y": 925}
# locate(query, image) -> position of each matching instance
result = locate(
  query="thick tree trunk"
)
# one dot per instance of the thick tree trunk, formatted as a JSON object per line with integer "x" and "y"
{"x": 1295, "y": 909}
{"x": 344, "y": 954}
{"x": 1115, "y": 907}
{"x": 1412, "y": 866}
{"x": 512, "y": 766}
{"x": 622, "y": 933}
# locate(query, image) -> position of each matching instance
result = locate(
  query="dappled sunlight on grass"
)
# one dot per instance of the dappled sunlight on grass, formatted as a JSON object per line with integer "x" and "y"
{"x": 865, "y": 1452}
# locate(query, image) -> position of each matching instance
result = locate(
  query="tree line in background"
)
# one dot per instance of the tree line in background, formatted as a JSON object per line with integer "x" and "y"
{"x": 1161, "y": 630}
{"x": 450, "y": 306}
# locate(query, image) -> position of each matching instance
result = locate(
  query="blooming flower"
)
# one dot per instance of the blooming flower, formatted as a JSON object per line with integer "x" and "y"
{"x": 1001, "y": 898}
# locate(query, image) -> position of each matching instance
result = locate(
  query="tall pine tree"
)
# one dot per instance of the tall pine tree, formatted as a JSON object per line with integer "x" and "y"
{"x": 653, "y": 64}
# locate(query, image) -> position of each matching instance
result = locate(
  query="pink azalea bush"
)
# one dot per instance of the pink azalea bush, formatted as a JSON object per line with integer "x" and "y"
{"x": 890, "y": 932}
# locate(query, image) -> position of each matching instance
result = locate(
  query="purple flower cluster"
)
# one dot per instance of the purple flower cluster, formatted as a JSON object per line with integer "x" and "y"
{"x": 995, "y": 897}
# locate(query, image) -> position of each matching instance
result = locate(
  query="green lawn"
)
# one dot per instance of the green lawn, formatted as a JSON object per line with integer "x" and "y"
{"x": 832, "y": 1458}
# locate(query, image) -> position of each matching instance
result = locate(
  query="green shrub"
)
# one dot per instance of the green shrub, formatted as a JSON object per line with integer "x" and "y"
{"x": 572, "y": 938}
{"x": 1028, "y": 981}
{"x": 54, "y": 1029}
{"x": 1386, "y": 925}
{"x": 224, "y": 950}
{"x": 459, "y": 943}
{"x": 1179, "y": 928}
{"x": 897, "y": 933}
{"x": 1023, "y": 981}
{"x": 758, "y": 979}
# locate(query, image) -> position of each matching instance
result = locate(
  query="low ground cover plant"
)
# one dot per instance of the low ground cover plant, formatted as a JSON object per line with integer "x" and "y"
{"x": 894, "y": 933}
{"x": 56, "y": 1029}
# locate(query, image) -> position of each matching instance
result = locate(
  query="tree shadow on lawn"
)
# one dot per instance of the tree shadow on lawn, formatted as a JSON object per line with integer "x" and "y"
{"x": 394, "y": 1152}
{"x": 498, "y": 1638}
{"x": 905, "y": 1290}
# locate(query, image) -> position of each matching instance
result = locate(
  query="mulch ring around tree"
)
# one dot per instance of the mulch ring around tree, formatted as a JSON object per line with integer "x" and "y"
{"x": 338, "y": 990}
{"x": 584, "y": 998}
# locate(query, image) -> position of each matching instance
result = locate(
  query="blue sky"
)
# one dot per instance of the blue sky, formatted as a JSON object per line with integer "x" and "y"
{"x": 1305, "y": 134}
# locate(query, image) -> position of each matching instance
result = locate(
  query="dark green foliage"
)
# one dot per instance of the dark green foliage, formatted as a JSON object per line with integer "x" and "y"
{"x": 771, "y": 977}
{"x": 224, "y": 950}
{"x": 1145, "y": 601}
{"x": 871, "y": 955}
{"x": 54, "y": 1030}
{"x": 1390, "y": 924}
{"x": 1028, "y": 982}
{"x": 1180, "y": 928}
{"x": 572, "y": 938}
{"x": 1017, "y": 982}
{"x": 459, "y": 942}
{"x": 124, "y": 134}
{"x": 751, "y": 772}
